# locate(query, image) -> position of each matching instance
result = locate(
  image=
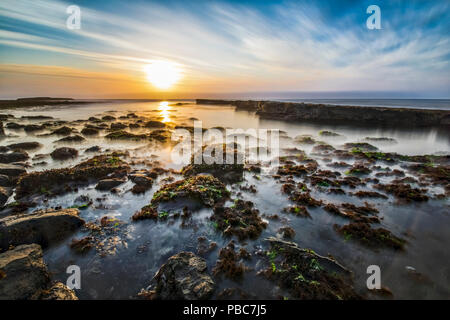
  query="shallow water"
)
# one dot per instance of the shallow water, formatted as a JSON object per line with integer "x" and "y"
{"x": 142, "y": 247}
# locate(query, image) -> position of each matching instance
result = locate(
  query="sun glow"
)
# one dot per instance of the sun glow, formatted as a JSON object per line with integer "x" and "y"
{"x": 162, "y": 74}
{"x": 164, "y": 111}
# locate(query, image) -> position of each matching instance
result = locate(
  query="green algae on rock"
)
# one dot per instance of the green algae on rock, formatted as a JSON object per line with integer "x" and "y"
{"x": 306, "y": 274}
{"x": 241, "y": 220}
{"x": 362, "y": 232}
{"x": 92, "y": 169}
{"x": 206, "y": 189}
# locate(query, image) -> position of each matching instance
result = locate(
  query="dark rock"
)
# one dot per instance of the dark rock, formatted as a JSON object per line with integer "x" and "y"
{"x": 89, "y": 131}
{"x": 98, "y": 167}
{"x": 5, "y": 181}
{"x": 118, "y": 126}
{"x": 23, "y": 272}
{"x": 108, "y": 184}
{"x": 33, "y": 127}
{"x": 64, "y": 153}
{"x": 24, "y": 275}
{"x": 4, "y": 195}
{"x": 16, "y": 156}
{"x": 43, "y": 227}
{"x": 12, "y": 171}
{"x": 13, "y": 125}
{"x": 25, "y": 146}
{"x": 63, "y": 131}
{"x": 93, "y": 149}
{"x": 58, "y": 291}
{"x": 154, "y": 124}
{"x": 75, "y": 138}
{"x": 182, "y": 277}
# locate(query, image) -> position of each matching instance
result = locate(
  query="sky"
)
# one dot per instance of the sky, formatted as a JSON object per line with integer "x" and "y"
{"x": 225, "y": 49}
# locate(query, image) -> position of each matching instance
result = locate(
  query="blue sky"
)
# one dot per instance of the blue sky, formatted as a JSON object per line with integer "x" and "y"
{"x": 226, "y": 48}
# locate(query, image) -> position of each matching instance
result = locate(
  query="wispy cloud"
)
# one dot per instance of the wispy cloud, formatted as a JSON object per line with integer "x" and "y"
{"x": 233, "y": 47}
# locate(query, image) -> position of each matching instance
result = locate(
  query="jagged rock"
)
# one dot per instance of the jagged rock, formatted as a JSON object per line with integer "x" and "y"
{"x": 63, "y": 131}
{"x": 33, "y": 127}
{"x": 183, "y": 276}
{"x": 42, "y": 227}
{"x": 118, "y": 126}
{"x": 75, "y": 138}
{"x": 58, "y": 291}
{"x": 4, "y": 195}
{"x": 16, "y": 156}
{"x": 154, "y": 124}
{"x": 108, "y": 184}
{"x": 25, "y": 146}
{"x": 96, "y": 168}
{"x": 93, "y": 149}
{"x": 22, "y": 272}
{"x": 5, "y": 181}
{"x": 141, "y": 180}
{"x": 13, "y": 125}
{"x": 23, "y": 275}
{"x": 89, "y": 131}
{"x": 64, "y": 153}
{"x": 11, "y": 170}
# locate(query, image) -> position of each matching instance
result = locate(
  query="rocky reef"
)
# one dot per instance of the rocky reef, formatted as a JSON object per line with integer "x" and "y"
{"x": 290, "y": 111}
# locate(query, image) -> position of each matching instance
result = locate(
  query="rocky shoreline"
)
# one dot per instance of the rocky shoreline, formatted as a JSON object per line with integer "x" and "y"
{"x": 291, "y": 111}
{"x": 109, "y": 202}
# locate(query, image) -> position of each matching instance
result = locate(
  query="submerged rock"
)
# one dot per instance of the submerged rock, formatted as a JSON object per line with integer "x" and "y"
{"x": 363, "y": 233}
{"x": 43, "y": 227}
{"x": 228, "y": 263}
{"x": 206, "y": 189}
{"x": 33, "y": 127}
{"x": 108, "y": 184}
{"x": 154, "y": 124}
{"x": 63, "y": 131}
{"x": 306, "y": 274}
{"x": 118, "y": 126}
{"x": 241, "y": 219}
{"x": 89, "y": 131}
{"x": 403, "y": 191}
{"x": 95, "y": 168}
{"x": 75, "y": 138}
{"x": 124, "y": 135}
{"x": 4, "y": 195}
{"x": 58, "y": 291}
{"x": 64, "y": 153}
{"x": 183, "y": 277}
{"x": 364, "y": 146}
{"x": 25, "y": 146}
{"x": 15, "y": 156}
{"x": 93, "y": 149}
{"x": 217, "y": 165}
{"x": 11, "y": 170}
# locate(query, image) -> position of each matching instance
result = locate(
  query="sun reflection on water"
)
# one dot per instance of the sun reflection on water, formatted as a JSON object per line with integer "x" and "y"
{"x": 164, "y": 111}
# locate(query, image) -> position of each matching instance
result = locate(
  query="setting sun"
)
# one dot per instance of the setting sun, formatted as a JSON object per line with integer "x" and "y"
{"x": 162, "y": 74}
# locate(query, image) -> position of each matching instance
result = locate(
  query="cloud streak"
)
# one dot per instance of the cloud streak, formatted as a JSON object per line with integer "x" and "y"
{"x": 228, "y": 47}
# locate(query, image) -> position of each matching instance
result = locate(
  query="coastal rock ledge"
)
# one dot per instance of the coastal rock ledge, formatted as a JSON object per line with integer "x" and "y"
{"x": 182, "y": 277}
{"x": 23, "y": 275}
{"x": 43, "y": 227}
{"x": 292, "y": 111}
